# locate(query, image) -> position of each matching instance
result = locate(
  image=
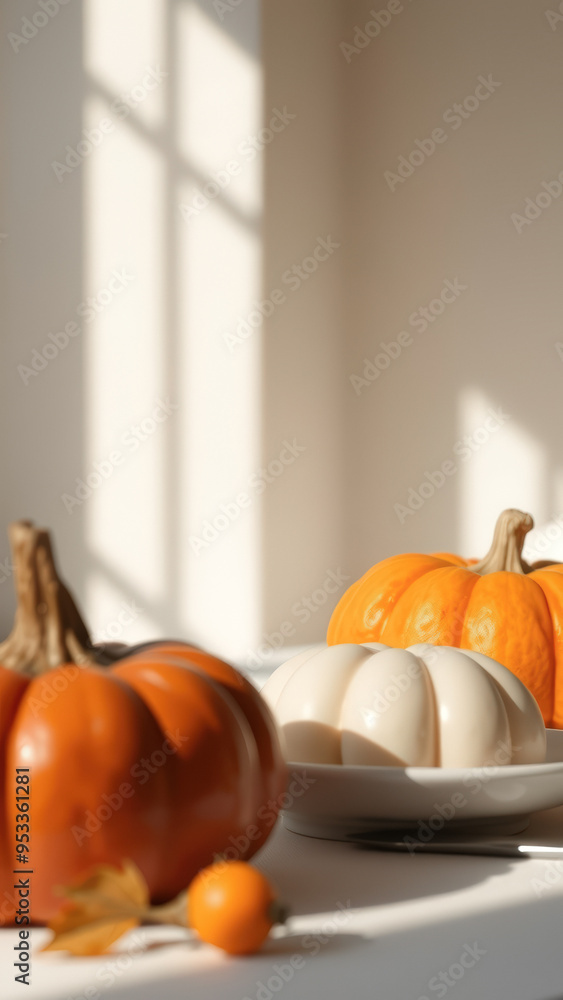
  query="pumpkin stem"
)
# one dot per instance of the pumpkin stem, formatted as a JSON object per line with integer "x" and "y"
{"x": 48, "y": 628}
{"x": 508, "y": 540}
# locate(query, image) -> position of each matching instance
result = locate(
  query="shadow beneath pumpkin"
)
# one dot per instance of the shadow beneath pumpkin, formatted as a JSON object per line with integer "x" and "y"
{"x": 310, "y": 943}
{"x": 392, "y": 958}
{"x": 188, "y": 941}
{"x": 315, "y": 874}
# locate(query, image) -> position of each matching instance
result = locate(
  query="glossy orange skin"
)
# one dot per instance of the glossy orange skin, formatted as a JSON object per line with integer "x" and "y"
{"x": 98, "y": 795}
{"x": 272, "y": 777}
{"x": 230, "y": 905}
{"x": 515, "y": 618}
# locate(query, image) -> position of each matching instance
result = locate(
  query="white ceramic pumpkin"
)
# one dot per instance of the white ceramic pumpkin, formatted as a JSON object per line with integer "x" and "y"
{"x": 425, "y": 705}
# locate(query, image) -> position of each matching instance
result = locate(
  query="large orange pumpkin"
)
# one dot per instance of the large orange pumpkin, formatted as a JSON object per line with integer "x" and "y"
{"x": 167, "y": 757}
{"x": 499, "y": 606}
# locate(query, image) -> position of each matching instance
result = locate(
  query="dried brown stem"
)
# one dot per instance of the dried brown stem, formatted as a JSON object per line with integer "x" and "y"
{"x": 505, "y": 552}
{"x": 48, "y": 628}
{"x": 174, "y": 912}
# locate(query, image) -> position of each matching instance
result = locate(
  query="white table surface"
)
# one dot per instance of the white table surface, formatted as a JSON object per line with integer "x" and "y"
{"x": 403, "y": 921}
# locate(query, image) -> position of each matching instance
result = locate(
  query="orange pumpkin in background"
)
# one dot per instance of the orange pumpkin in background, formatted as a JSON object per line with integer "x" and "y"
{"x": 167, "y": 758}
{"x": 499, "y": 606}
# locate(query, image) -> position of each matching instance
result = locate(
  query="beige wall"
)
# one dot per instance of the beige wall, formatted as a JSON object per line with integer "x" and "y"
{"x": 360, "y": 449}
{"x": 493, "y": 345}
{"x": 130, "y": 547}
{"x": 303, "y": 345}
{"x": 452, "y": 218}
{"x": 41, "y": 280}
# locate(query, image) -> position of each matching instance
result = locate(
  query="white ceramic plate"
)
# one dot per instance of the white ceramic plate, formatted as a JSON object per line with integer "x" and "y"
{"x": 335, "y": 802}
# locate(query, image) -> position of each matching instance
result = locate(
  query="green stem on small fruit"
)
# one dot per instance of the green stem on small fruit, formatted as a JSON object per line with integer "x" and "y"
{"x": 174, "y": 912}
{"x": 278, "y": 912}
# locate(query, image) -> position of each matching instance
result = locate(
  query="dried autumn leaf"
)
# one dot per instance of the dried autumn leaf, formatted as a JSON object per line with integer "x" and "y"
{"x": 101, "y": 907}
{"x": 80, "y": 935}
{"x": 120, "y": 887}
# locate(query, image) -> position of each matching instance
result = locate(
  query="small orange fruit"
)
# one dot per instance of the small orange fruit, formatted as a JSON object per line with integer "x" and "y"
{"x": 233, "y": 906}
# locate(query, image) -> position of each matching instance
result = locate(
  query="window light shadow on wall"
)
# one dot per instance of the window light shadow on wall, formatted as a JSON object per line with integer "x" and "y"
{"x": 156, "y": 356}
{"x": 500, "y": 464}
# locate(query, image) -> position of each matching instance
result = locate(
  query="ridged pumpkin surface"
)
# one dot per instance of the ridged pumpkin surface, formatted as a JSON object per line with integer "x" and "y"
{"x": 167, "y": 758}
{"x": 516, "y": 617}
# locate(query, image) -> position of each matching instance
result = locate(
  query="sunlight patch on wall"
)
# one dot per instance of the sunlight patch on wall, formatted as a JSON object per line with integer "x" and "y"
{"x": 220, "y": 267}
{"x": 545, "y": 541}
{"x": 220, "y": 422}
{"x": 122, "y": 45}
{"x": 165, "y": 391}
{"x": 120, "y": 615}
{"x": 500, "y": 465}
{"x": 125, "y": 407}
{"x": 221, "y": 111}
